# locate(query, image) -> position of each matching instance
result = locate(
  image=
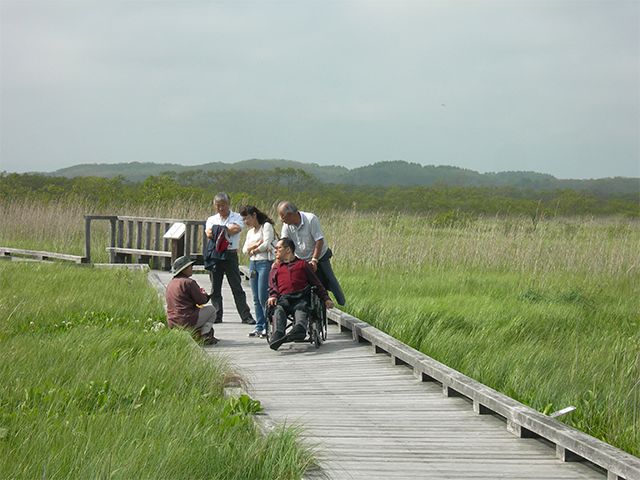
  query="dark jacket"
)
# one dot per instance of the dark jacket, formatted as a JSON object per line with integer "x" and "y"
{"x": 216, "y": 246}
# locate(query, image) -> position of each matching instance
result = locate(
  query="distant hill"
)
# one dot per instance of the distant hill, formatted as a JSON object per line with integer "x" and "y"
{"x": 137, "y": 171}
{"x": 391, "y": 173}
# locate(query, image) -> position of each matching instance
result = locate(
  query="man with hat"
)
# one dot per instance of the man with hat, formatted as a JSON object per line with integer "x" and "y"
{"x": 183, "y": 297}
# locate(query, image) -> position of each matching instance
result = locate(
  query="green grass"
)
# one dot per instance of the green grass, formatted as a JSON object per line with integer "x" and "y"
{"x": 94, "y": 387}
{"x": 566, "y": 340}
{"x": 544, "y": 311}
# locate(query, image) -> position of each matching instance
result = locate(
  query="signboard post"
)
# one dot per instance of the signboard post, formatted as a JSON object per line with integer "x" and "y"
{"x": 176, "y": 235}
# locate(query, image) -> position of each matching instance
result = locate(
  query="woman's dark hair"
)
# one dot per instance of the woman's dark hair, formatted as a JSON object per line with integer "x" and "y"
{"x": 260, "y": 216}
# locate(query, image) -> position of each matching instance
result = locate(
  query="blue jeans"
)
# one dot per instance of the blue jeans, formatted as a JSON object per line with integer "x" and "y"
{"x": 260, "y": 287}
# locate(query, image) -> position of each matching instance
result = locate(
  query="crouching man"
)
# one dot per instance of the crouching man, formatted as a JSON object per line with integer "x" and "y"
{"x": 183, "y": 297}
{"x": 288, "y": 293}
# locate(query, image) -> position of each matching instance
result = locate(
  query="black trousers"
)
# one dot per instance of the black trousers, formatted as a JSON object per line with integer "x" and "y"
{"x": 296, "y": 304}
{"x": 229, "y": 267}
{"x": 328, "y": 279}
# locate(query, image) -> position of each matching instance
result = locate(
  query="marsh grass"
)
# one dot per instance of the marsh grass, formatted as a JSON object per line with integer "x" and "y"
{"x": 548, "y": 314}
{"x": 594, "y": 246}
{"x": 93, "y": 386}
{"x": 545, "y": 310}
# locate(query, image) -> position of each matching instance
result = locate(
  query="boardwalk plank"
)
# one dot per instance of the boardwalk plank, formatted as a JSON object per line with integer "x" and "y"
{"x": 371, "y": 419}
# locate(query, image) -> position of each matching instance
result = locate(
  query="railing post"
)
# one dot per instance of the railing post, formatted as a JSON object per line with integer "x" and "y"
{"x": 205, "y": 240}
{"x": 129, "y": 233}
{"x": 147, "y": 239}
{"x": 187, "y": 239}
{"x": 138, "y": 258}
{"x": 87, "y": 238}
{"x": 128, "y": 257}
{"x": 120, "y": 241}
{"x": 156, "y": 245}
{"x": 112, "y": 254}
{"x": 194, "y": 241}
{"x": 165, "y": 244}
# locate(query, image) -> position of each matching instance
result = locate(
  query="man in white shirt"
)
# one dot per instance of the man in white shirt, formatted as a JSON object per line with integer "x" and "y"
{"x": 305, "y": 231}
{"x": 229, "y": 265}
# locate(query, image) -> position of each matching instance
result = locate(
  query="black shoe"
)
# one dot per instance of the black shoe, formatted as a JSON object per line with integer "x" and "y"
{"x": 217, "y": 320}
{"x": 209, "y": 339}
{"x": 277, "y": 340}
{"x": 249, "y": 321}
{"x": 297, "y": 333}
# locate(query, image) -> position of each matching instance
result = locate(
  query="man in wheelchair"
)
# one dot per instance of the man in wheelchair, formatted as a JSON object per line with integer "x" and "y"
{"x": 290, "y": 280}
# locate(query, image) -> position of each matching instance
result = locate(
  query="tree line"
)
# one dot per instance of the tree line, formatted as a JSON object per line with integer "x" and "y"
{"x": 263, "y": 187}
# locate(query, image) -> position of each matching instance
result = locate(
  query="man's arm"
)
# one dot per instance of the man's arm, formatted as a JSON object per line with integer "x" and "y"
{"x": 318, "y": 237}
{"x": 317, "y": 250}
{"x": 197, "y": 294}
{"x": 315, "y": 281}
{"x": 233, "y": 228}
{"x": 235, "y": 224}
{"x": 208, "y": 226}
{"x": 273, "y": 287}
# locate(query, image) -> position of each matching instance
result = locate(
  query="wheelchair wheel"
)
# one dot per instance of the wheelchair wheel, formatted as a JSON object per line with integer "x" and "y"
{"x": 323, "y": 325}
{"x": 268, "y": 326}
{"x": 317, "y": 341}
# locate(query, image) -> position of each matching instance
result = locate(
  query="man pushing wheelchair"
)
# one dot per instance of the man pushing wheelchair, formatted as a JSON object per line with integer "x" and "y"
{"x": 290, "y": 280}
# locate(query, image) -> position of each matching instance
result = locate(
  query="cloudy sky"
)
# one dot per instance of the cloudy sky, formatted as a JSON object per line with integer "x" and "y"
{"x": 546, "y": 85}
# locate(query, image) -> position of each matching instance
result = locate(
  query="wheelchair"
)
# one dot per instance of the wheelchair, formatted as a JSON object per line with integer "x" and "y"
{"x": 316, "y": 316}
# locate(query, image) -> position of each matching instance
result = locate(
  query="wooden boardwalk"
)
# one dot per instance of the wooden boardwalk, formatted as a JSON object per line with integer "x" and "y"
{"x": 371, "y": 420}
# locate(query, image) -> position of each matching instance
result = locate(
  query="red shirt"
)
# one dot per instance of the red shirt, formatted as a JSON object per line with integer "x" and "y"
{"x": 183, "y": 293}
{"x": 286, "y": 278}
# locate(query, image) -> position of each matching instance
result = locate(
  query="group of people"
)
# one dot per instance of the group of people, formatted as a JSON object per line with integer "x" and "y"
{"x": 280, "y": 272}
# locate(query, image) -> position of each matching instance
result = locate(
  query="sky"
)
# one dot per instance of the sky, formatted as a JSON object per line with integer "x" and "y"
{"x": 551, "y": 86}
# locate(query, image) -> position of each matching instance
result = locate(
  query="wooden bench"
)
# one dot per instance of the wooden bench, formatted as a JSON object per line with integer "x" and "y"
{"x": 138, "y": 251}
{"x": 40, "y": 255}
{"x": 126, "y": 254}
{"x": 143, "y": 239}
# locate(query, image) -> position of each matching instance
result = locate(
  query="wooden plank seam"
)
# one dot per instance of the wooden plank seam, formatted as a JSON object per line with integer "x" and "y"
{"x": 571, "y": 444}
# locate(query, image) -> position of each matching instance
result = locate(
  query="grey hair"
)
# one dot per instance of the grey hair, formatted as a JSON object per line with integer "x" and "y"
{"x": 287, "y": 207}
{"x": 222, "y": 197}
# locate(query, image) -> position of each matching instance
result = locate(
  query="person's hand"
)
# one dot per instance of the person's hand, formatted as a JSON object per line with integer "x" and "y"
{"x": 329, "y": 304}
{"x": 314, "y": 264}
{"x": 271, "y": 301}
{"x": 203, "y": 291}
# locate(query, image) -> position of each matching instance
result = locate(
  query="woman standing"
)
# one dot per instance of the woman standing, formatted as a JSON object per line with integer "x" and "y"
{"x": 258, "y": 245}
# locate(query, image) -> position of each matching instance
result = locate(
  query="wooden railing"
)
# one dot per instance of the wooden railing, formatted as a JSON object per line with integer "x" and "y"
{"x": 570, "y": 444}
{"x": 8, "y": 252}
{"x": 140, "y": 240}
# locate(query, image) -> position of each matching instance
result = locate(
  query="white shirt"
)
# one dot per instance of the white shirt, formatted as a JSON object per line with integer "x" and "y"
{"x": 305, "y": 235}
{"x": 234, "y": 240}
{"x": 265, "y": 250}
